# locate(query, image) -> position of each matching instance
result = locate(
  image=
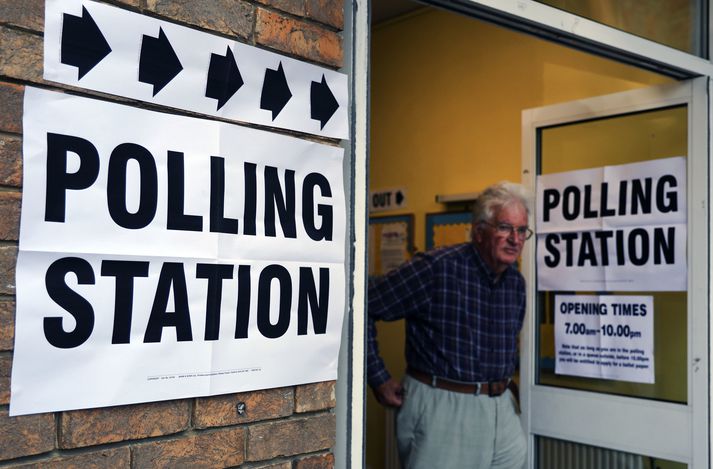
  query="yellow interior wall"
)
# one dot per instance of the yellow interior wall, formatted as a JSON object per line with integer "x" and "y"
{"x": 447, "y": 93}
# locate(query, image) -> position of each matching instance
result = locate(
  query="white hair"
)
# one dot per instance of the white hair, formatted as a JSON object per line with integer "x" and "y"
{"x": 496, "y": 197}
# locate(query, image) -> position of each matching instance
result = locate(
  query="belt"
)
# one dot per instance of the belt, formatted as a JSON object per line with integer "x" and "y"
{"x": 491, "y": 388}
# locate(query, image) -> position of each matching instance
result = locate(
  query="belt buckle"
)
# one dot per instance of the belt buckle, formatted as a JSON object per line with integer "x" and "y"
{"x": 491, "y": 388}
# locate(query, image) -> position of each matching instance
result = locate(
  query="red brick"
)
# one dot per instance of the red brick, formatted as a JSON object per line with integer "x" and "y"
{"x": 25, "y": 435}
{"x": 219, "y": 448}
{"x": 220, "y": 411}
{"x": 10, "y": 215}
{"x": 282, "y": 465}
{"x": 5, "y": 369}
{"x": 11, "y": 107}
{"x": 10, "y": 161}
{"x": 322, "y": 461}
{"x": 296, "y": 7}
{"x": 231, "y": 17}
{"x": 131, "y": 3}
{"x": 316, "y": 396}
{"x": 329, "y": 12}
{"x": 290, "y": 437}
{"x": 106, "y": 425}
{"x": 297, "y": 37}
{"x": 21, "y": 55}
{"x": 29, "y": 14}
{"x": 7, "y": 325}
{"x": 8, "y": 257}
{"x": 112, "y": 458}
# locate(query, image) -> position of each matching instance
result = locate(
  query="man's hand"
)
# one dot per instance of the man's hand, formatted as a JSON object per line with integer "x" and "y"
{"x": 390, "y": 393}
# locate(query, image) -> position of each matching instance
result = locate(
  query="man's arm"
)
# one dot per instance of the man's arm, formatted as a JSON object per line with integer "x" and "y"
{"x": 399, "y": 294}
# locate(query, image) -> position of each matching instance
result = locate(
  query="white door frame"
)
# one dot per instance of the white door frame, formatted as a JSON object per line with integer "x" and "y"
{"x": 577, "y": 415}
{"x": 524, "y": 15}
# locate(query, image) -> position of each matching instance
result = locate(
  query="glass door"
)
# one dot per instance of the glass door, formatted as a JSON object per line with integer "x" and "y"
{"x": 603, "y": 385}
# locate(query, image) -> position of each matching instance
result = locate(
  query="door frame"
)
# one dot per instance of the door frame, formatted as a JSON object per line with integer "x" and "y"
{"x": 560, "y": 413}
{"x": 523, "y": 15}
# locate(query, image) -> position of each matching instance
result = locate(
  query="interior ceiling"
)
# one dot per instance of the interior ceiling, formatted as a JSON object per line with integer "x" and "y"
{"x": 384, "y": 10}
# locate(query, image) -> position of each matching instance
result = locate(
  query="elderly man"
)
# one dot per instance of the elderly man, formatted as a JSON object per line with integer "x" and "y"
{"x": 464, "y": 307}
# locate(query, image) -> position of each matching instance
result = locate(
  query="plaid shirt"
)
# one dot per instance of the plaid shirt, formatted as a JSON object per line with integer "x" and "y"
{"x": 461, "y": 324}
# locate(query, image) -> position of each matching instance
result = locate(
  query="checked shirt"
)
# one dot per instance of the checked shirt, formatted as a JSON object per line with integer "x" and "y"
{"x": 461, "y": 323}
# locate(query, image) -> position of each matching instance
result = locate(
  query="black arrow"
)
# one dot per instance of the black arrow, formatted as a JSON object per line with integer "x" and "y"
{"x": 223, "y": 77}
{"x": 399, "y": 198}
{"x": 275, "y": 92}
{"x": 324, "y": 105}
{"x": 83, "y": 44}
{"x": 158, "y": 63}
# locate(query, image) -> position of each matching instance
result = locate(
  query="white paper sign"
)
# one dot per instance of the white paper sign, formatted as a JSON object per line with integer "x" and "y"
{"x": 388, "y": 199}
{"x": 164, "y": 257}
{"x": 394, "y": 245}
{"x": 609, "y": 337}
{"x": 615, "y": 228}
{"x": 104, "y": 48}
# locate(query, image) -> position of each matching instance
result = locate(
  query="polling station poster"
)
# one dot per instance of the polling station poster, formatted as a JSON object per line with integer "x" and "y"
{"x": 164, "y": 257}
{"x": 605, "y": 336}
{"x": 613, "y": 228}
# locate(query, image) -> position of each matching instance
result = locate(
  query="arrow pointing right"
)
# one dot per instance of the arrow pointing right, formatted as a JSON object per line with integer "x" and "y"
{"x": 399, "y": 198}
{"x": 275, "y": 91}
{"x": 324, "y": 105}
{"x": 158, "y": 63}
{"x": 223, "y": 77}
{"x": 83, "y": 44}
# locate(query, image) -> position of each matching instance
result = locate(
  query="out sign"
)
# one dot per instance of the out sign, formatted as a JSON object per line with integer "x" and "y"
{"x": 390, "y": 199}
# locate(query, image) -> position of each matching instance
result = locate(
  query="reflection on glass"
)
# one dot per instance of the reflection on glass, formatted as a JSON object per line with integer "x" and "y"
{"x": 611, "y": 141}
{"x": 675, "y": 23}
{"x": 555, "y": 454}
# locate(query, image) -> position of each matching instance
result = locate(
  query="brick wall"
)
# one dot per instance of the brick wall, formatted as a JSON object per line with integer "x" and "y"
{"x": 283, "y": 428}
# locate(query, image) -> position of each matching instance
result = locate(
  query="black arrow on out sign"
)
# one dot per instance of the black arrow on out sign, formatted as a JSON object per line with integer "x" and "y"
{"x": 158, "y": 63}
{"x": 400, "y": 198}
{"x": 275, "y": 91}
{"x": 223, "y": 77}
{"x": 83, "y": 44}
{"x": 323, "y": 103}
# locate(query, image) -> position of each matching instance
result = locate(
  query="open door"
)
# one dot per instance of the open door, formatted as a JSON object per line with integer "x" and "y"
{"x": 574, "y": 419}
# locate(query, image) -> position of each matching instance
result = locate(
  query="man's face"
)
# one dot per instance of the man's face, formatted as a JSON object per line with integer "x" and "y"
{"x": 497, "y": 249}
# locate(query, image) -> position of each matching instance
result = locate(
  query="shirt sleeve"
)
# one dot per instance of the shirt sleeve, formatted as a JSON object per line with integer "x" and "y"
{"x": 402, "y": 293}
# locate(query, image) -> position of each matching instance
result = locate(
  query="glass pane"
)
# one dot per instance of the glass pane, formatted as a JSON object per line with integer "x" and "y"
{"x": 612, "y": 141}
{"x": 675, "y": 23}
{"x": 557, "y": 454}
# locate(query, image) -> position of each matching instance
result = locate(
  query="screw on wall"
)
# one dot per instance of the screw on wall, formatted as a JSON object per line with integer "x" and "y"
{"x": 240, "y": 407}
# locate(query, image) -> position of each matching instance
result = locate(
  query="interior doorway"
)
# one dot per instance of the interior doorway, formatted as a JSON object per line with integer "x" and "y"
{"x": 447, "y": 96}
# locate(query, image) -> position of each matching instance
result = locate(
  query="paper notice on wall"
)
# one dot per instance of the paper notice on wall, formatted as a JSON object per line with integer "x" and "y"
{"x": 164, "y": 257}
{"x": 607, "y": 336}
{"x": 394, "y": 245}
{"x": 114, "y": 50}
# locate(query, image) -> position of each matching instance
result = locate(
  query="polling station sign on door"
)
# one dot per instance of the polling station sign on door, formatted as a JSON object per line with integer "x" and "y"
{"x": 611, "y": 229}
{"x": 163, "y": 256}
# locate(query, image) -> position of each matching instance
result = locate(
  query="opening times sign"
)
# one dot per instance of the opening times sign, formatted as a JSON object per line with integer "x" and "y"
{"x": 164, "y": 257}
{"x": 608, "y": 337}
{"x": 613, "y": 228}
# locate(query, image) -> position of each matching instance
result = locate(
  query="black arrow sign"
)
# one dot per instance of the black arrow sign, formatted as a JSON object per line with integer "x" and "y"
{"x": 83, "y": 44}
{"x": 159, "y": 63}
{"x": 223, "y": 77}
{"x": 324, "y": 105}
{"x": 399, "y": 198}
{"x": 275, "y": 92}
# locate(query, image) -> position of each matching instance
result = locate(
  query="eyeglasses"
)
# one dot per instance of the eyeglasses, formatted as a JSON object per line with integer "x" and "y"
{"x": 506, "y": 229}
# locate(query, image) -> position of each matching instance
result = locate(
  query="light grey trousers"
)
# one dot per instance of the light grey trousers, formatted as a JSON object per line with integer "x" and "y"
{"x": 436, "y": 428}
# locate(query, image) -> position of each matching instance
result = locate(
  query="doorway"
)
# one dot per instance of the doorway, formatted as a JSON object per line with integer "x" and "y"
{"x": 447, "y": 95}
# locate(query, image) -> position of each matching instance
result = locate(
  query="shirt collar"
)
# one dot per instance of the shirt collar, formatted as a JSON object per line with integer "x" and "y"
{"x": 485, "y": 269}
